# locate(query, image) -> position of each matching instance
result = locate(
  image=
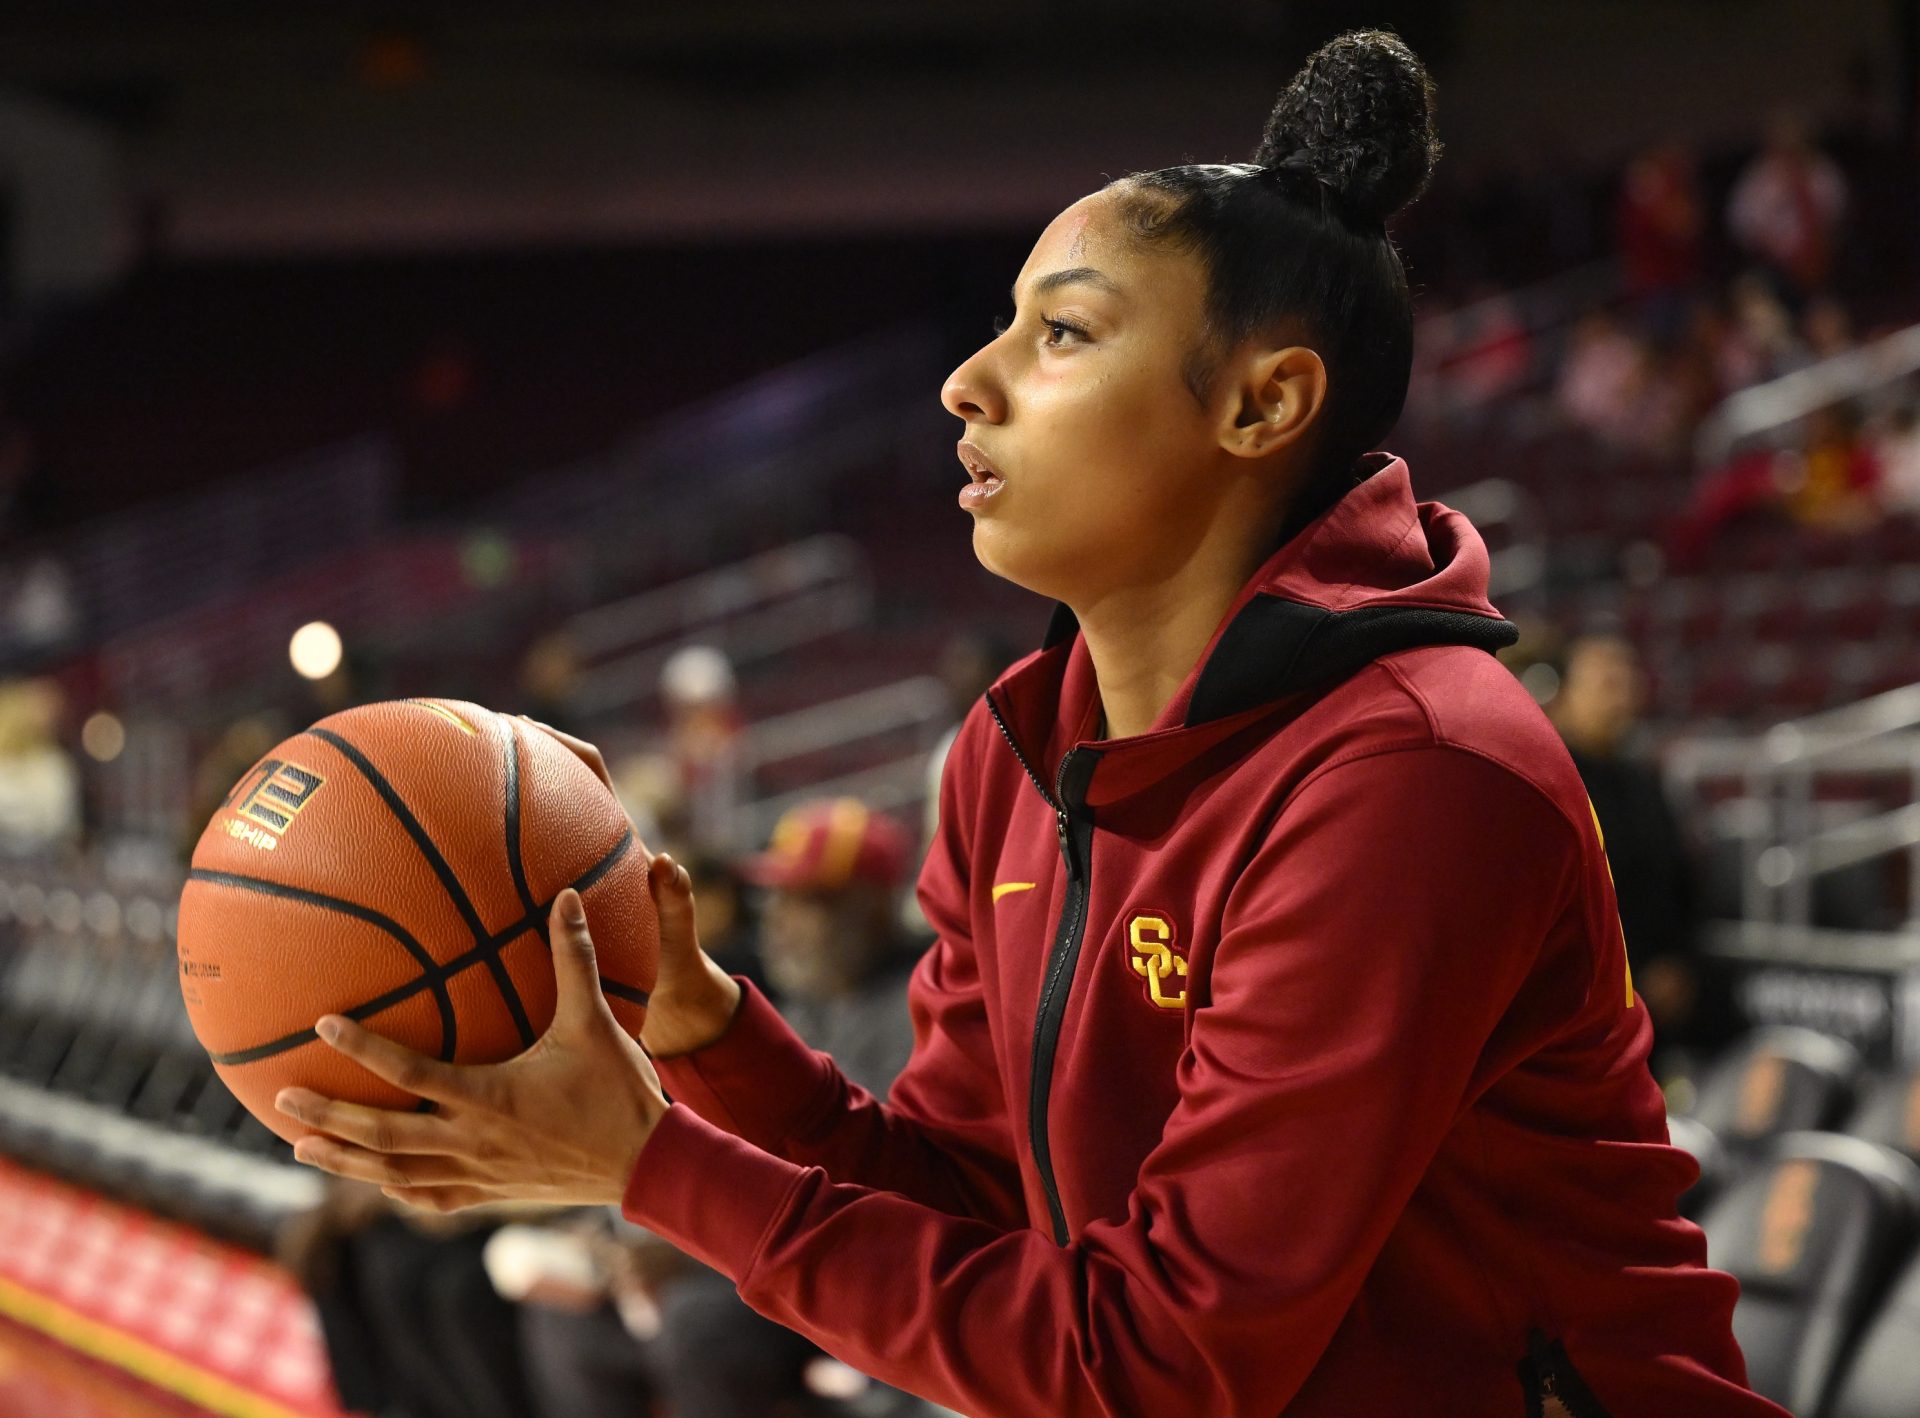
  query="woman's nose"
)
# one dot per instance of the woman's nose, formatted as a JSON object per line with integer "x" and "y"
{"x": 971, "y": 393}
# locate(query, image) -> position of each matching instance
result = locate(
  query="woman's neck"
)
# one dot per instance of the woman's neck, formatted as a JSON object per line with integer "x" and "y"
{"x": 1145, "y": 640}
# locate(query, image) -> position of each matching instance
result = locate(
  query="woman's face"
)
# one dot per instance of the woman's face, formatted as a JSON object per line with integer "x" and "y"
{"x": 1110, "y": 470}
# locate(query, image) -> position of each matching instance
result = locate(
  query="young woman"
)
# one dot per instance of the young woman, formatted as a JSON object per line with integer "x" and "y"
{"x": 1278, "y": 1051}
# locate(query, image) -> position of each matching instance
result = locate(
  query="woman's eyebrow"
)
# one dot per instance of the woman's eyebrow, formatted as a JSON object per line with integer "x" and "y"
{"x": 1073, "y": 275}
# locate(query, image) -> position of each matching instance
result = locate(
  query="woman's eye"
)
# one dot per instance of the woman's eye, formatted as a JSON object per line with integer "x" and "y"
{"x": 1054, "y": 327}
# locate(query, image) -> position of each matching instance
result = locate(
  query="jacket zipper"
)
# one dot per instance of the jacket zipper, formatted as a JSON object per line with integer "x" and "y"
{"x": 1075, "y": 831}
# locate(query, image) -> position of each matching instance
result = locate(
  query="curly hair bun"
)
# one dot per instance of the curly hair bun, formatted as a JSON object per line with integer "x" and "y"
{"x": 1358, "y": 118}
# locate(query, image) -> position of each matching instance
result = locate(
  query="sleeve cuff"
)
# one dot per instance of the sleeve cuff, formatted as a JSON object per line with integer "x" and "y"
{"x": 711, "y": 1194}
{"x": 758, "y": 1080}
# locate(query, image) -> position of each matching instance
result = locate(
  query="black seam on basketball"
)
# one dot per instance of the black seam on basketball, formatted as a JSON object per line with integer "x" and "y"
{"x": 430, "y": 978}
{"x": 434, "y": 977}
{"x": 455, "y": 892}
{"x": 514, "y": 862}
{"x": 496, "y": 968}
{"x": 620, "y": 991}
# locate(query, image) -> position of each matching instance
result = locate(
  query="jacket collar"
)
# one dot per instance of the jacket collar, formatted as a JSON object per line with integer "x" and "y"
{"x": 1375, "y": 573}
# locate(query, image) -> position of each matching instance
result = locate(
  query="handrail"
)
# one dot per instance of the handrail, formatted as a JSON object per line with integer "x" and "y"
{"x": 1793, "y": 396}
{"x": 1835, "y": 731}
{"x": 751, "y": 609}
{"x": 915, "y": 702}
{"x": 1781, "y": 861}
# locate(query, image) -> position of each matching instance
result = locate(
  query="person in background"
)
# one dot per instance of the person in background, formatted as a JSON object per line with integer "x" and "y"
{"x": 1786, "y": 208}
{"x": 1897, "y": 449}
{"x": 39, "y": 784}
{"x": 1836, "y": 480}
{"x": 700, "y": 694}
{"x": 1659, "y": 231}
{"x": 1597, "y": 708}
{"x": 832, "y": 947}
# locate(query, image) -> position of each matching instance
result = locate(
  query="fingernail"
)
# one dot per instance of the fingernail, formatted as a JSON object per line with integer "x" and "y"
{"x": 285, "y": 1102}
{"x": 305, "y": 1150}
{"x": 328, "y": 1029}
{"x": 572, "y": 911}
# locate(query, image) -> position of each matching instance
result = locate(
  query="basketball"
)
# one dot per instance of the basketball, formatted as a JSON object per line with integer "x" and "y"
{"x": 396, "y": 863}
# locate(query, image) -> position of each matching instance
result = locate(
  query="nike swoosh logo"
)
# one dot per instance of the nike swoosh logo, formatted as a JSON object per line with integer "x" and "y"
{"x": 1008, "y": 887}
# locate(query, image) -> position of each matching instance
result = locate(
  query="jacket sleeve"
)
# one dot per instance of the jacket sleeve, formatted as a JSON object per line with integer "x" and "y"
{"x": 944, "y": 1138}
{"x": 1366, "y": 961}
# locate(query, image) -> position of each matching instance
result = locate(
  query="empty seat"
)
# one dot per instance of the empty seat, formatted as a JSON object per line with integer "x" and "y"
{"x": 1696, "y": 1139}
{"x": 1882, "y": 1378}
{"x": 1812, "y": 1233}
{"x": 1889, "y": 1113}
{"x": 1774, "y": 1081}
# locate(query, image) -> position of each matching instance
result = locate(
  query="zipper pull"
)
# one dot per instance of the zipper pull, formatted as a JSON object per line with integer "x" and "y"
{"x": 1066, "y": 843}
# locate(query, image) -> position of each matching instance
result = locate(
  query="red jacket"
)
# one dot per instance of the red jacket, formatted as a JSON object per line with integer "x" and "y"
{"x": 1283, "y": 1058}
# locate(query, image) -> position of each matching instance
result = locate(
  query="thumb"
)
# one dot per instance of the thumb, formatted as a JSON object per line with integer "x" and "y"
{"x": 576, "y": 970}
{"x": 672, "y": 889}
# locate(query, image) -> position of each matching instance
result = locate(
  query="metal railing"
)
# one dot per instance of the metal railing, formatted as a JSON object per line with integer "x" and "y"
{"x": 1780, "y": 403}
{"x": 1789, "y": 840}
{"x": 751, "y": 610}
{"x": 904, "y": 719}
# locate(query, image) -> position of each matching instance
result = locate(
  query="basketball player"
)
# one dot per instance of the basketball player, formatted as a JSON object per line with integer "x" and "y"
{"x": 1279, "y": 1050}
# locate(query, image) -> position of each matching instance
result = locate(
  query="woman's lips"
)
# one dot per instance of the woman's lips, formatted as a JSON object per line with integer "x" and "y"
{"x": 975, "y": 495}
{"x": 985, "y": 479}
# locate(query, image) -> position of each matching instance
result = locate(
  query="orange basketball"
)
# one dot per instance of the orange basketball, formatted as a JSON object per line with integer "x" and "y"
{"x": 396, "y": 863}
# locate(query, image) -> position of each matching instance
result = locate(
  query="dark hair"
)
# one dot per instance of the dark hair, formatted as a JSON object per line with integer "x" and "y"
{"x": 1299, "y": 234}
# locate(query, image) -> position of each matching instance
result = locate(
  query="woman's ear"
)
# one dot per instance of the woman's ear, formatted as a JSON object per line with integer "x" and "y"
{"x": 1277, "y": 400}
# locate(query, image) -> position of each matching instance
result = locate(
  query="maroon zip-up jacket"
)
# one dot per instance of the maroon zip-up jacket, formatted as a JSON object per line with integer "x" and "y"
{"x": 1281, "y": 1059}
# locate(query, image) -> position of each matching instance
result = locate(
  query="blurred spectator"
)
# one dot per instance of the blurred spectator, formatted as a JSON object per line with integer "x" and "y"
{"x": 1608, "y": 386}
{"x": 1492, "y": 352}
{"x": 1898, "y": 452}
{"x": 830, "y": 938}
{"x": 549, "y": 671}
{"x": 700, "y": 695}
{"x": 413, "y": 1326}
{"x": 41, "y": 611}
{"x": 1601, "y": 696}
{"x": 1827, "y": 328}
{"x": 1836, "y": 477}
{"x": 1762, "y": 343}
{"x": 241, "y": 744}
{"x": 831, "y": 947}
{"x": 40, "y": 806}
{"x": 1786, "y": 208}
{"x": 1658, "y": 229}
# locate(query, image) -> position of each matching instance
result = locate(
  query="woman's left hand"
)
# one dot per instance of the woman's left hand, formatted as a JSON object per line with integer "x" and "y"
{"x": 562, "y": 1122}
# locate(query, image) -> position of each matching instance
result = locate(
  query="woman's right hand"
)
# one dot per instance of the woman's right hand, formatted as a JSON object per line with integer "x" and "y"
{"x": 693, "y": 999}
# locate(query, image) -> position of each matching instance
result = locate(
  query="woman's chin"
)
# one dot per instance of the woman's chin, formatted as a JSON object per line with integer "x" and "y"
{"x": 1002, "y": 550}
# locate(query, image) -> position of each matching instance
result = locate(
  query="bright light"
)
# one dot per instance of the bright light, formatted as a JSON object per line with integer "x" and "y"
{"x": 103, "y": 737}
{"x": 315, "y": 650}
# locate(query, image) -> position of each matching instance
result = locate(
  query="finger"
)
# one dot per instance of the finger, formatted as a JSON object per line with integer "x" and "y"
{"x": 377, "y": 1129}
{"x": 343, "y": 1159}
{"x": 576, "y": 971}
{"x": 580, "y": 748}
{"x": 401, "y": 1066}
{"x": 672, "y": 889}
{"x": 438, "y": 1199}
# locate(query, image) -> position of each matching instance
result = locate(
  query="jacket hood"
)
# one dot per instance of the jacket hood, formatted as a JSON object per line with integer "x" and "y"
{"x": 1375, "y": 573}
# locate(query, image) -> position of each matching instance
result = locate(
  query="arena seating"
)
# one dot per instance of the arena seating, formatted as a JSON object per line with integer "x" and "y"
{"x": 101, "y": 1079}
{"x": 1811, "y": 1231}
{"x": 1810, "y": 1196}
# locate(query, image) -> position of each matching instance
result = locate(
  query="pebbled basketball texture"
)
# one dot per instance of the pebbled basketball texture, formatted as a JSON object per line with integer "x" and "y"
{"x": 397, "y": 863}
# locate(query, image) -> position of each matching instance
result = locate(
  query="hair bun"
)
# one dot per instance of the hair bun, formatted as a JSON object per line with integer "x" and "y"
{"x": 1358, "y": 117}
